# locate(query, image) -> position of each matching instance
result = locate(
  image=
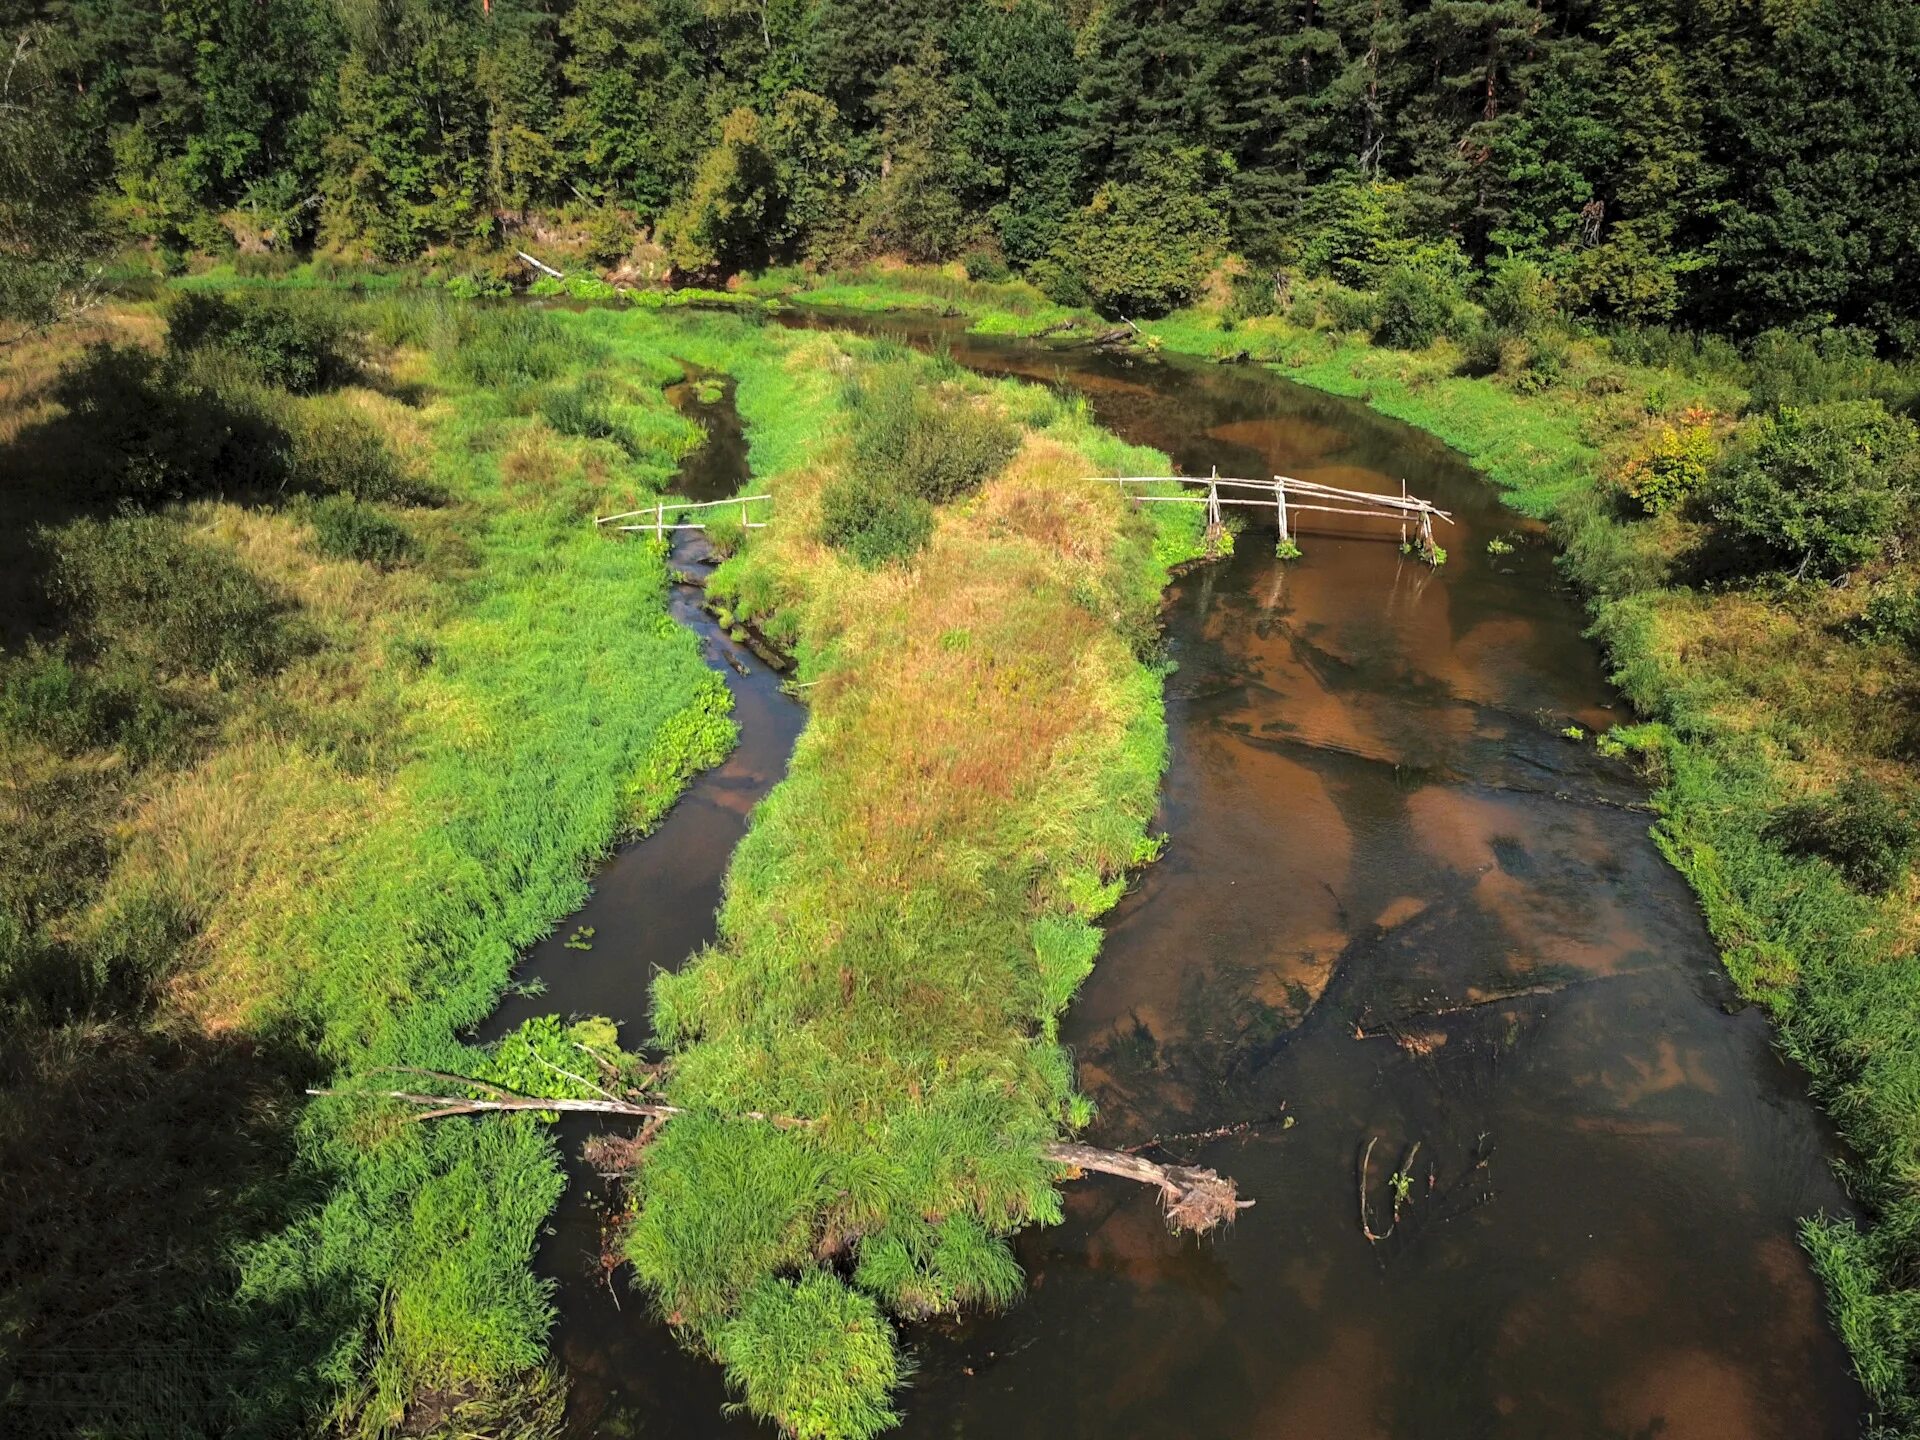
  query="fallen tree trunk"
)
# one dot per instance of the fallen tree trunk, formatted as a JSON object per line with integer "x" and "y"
{"x": 1194, "y": 1198}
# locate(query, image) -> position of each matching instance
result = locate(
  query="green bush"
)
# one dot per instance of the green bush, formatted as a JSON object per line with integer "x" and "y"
{"x": 1867, "y": 833}
{"x": 1546, "y": 365}
{"x": 934, "y": 440}
{"x": 1414, "y": 307}
{"x": 1519, "y": 298}
{"x": 1485, "y": 350}
{"x": 1783, "y": 368}
{"x": 1251, "y": 297}
{"x": 47, "y": 695}
{"x": 985, "y": 265}
{"x": 874, "y": 522}
{"x": 1671, "y": 469}
{"x": 296, "y": 349}
{"x": 1893, "y": 612}
{"x": 1825, "y": 488}
{"x": 610, "y": 236}
{"x": 1350, "y": 309}
{"x": 140, "y": 585}
{"x": 348, "y": 530}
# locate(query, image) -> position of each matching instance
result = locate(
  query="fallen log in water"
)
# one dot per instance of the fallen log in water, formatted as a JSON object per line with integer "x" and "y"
{"x": 1194, "y": 1198}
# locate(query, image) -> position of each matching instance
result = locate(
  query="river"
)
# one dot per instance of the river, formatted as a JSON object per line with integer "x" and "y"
{"x": 1400, "y": 907}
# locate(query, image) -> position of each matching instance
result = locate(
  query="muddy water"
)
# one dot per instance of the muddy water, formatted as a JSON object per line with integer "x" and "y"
{"x": 1399, "y": 908}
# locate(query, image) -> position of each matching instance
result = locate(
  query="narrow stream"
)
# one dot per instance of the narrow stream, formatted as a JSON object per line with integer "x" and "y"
{"x": 653, "y": 905}
{"x": 1399, "y": 907}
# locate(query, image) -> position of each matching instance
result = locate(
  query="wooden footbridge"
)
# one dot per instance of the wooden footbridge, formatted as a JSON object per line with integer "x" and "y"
{"x": 1286, "y": 496}
{"x": 659, "y": 525}
{"x": 1289, "y": 497}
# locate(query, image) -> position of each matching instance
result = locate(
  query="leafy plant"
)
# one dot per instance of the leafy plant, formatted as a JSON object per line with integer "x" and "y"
{"x": 1827, "y": 487}
{"x": 302, "y": 350}
{"x": 875, "y": 522}
{"x": 138, "y": 583}
{"x": 1414, "y": 306}
{"x": 1671, "y": 469}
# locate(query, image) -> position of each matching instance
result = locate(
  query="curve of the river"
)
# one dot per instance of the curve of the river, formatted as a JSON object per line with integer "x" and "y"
{"x": 1400, "y": 907}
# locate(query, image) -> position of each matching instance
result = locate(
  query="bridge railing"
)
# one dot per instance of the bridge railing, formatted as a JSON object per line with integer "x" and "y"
{"x": 660, "y": 509}
{"x": 1287, "y": 497}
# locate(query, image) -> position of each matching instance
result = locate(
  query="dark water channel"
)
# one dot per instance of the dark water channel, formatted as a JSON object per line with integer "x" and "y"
{"x": 1398, "y": 906}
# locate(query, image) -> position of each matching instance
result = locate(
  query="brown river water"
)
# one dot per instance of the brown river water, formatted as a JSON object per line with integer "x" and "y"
{"x": 1398, "y": 908}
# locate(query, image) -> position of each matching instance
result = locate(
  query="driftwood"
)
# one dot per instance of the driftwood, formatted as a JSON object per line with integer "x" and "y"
{"x": 542, "y": 267}
{"x": 1194, "y": 1198}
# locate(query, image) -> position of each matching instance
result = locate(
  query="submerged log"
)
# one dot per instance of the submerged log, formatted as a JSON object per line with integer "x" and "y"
{"x": 1194, "y": 1198}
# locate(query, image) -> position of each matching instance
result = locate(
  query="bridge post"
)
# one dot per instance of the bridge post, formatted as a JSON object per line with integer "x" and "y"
{"x": 1403, "y": 513}
{"x": 1280, "y": 505}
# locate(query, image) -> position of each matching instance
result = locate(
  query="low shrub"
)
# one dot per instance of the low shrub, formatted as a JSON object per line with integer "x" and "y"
{"x": 1414, "y": 306}
{"x": 48, "y": 695}
{"x": 140, "y": 585}
{"x": 346, "y": 529}
{"x": 1825, "y": 487}
{"x": 1867, "y": 832}
{"x": 1784, "y": 368}
{"x": 1893, "y": 612}
{"x": 295, "y": 349}
{"x": 1545, "y": 366}
{"x": 874, "y": 522}
{"x": 1519, "y": 297}
{"x": 935, "y": 441}
{"x": 1349, "y": 309}
{"x": 1486, "y": 350}
{"x": 1671, "y": 469}
{"x": 1250, "y": 297}
{"x": 987, "y": 266}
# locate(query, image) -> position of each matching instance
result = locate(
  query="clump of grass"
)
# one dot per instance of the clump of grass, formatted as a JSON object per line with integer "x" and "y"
{"x": 346, "y": 529}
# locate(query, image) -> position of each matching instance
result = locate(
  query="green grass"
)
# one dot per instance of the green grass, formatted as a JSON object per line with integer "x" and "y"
{"x": 333, "y": 865}
{"x": 992, "y": 308}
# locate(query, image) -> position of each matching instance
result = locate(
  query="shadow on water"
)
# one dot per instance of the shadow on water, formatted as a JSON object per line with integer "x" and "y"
{"x": 1399, "y": 907}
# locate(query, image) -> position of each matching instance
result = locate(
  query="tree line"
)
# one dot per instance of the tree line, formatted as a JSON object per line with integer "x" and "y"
{"x": 1727, "y": 164}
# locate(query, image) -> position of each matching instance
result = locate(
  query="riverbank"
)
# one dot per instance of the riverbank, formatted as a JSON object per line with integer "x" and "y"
{"x": 302, "y": 750}
{"x": 1752, "y": 696}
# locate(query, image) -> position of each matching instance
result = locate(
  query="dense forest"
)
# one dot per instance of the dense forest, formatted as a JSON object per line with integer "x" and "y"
{"x": 1733, "y": 164}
